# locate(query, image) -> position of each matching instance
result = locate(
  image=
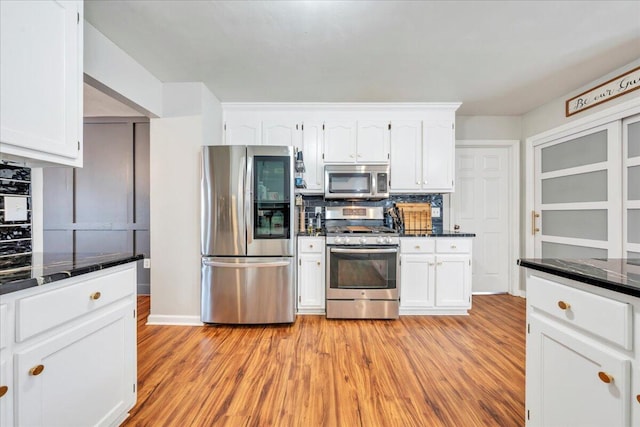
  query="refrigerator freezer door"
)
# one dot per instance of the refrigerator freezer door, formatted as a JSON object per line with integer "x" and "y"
{"x": 222, "y": 200}
{"x": 269, "y": 201}
{"x": 248, "y": 290}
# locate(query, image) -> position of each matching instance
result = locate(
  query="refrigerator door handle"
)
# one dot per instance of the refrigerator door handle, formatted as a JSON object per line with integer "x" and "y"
{"x": 248, "y": 199}
{"x": 246, "y": 265}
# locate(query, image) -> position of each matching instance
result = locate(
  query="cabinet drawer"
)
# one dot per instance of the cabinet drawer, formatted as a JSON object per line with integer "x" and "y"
{"x": 453, "y": 245}
{"x": 310, "y": 245}
{"x": 38, "y": 313}
{"x": 603, "y": 317}
{"x": 415, "y": 245}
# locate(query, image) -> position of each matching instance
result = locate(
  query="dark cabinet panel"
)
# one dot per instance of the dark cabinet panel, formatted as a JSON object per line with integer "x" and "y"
{"x": 104, "y": 185}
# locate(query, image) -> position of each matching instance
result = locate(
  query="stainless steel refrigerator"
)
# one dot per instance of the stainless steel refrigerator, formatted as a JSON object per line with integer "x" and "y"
{"x": 247, "y": 242}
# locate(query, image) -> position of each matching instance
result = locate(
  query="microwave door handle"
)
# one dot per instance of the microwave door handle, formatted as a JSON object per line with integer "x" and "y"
{"x": 360, "y": 251}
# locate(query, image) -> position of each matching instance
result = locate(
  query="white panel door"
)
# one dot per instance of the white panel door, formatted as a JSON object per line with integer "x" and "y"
{"x": 311, "y": 286}
{"x": 438, "y": 155}
{"x": 340, "y": 142}
{"x": 417, "y": 276}
{"x": 453, "y": 281}
{"x": 406, "y": 155}
{"x": 373, "y": 141}
{"x": 481, "y": 206}
{"x": 279, "y": 133}
{"x": 41, "y": 76}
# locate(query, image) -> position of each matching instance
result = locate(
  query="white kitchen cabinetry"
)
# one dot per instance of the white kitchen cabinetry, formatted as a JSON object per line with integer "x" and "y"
{"x": 417, "y": 274}
{"x": 242, "y": 131}
{"x": 435, "y": 275}
{"x": 364, "y": 141}
{"x": 373, "y": 141}
{"x": 74, "y": 352}
{"x": 41, "y": 82}
{"x": 422, "y": 156}
{"x": 340, "y": 142}
{"x": 6, "y": 377}
{"x": 311, "y": 147}
{"x": 580, "y": 354}
{"x": 280, "y": 133}
{"x": 311, "y": 275}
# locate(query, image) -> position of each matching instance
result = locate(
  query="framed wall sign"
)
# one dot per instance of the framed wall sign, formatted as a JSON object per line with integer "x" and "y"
{"x": 618, "y": 86}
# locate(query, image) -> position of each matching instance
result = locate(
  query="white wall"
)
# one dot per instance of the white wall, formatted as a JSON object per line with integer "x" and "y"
{"x": 110, "y": 69}
{"x": 552, "y": 114}
{"x": 175, "y": 199}
{"x": 488, "y": 127}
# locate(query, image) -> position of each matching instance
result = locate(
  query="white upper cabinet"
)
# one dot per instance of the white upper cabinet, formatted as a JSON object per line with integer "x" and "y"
{"x": 406, "y": 155}
{"x": 41, "y": 81}
{"x": 372, "y": 145}
{"x": 438, "y": 155}
{"x": 340, "y": 142}
{"x": 364, "y": 141}
{"x": 422, "y": 156}
{"x": 312, "y": 154}
{"x": 242, "y": 132}
{"x": 280, "y": 133}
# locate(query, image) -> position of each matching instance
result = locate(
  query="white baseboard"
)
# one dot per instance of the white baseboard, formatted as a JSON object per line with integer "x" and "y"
{"x": 159, "y": 319}
{"x": 433, "y": 312}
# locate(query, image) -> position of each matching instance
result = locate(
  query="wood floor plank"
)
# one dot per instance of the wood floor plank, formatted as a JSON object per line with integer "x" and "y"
{"x": 414, "y": 371}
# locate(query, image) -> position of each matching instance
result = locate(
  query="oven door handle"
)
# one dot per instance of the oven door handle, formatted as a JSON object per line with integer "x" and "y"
{"x": 360, "y": 251}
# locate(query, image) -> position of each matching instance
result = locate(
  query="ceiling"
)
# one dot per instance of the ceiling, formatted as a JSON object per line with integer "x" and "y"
{"x": 496, "y": 57}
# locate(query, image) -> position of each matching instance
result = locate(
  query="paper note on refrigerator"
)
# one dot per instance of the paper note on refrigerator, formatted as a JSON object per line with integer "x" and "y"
{"x": 15, "y": 208}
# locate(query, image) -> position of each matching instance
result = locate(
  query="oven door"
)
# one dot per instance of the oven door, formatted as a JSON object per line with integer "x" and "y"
{"x": 362, "y": 272}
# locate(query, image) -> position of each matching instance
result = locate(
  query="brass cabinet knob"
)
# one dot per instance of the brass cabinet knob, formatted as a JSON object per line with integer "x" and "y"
{"x": 96, "y": 295}
{"x": 318, "y": 262}
{"x": 564, "y": 305}
{"x": 417, "y": 247}
{"x": 36, "y": 370}
{"x": 453, "y": 246}
{"x": 4, "y": 389}
{"x": 604, "y": 377}
{"x": 638, "y": 398}
{"x": 310, "y": 246}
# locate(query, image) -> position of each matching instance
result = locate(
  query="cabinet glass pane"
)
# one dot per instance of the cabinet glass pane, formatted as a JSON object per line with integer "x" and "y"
{"x": 633, "y": 183}
{"x": 633, "y": 225}
{"x": 583, "y": 187}
{"x": 633, "y": 140}
{"x": 581, "y": 151}
{"x": 633, "y": 255}
{"x": 560, "y": 250}
{"x": 582, "y": 224}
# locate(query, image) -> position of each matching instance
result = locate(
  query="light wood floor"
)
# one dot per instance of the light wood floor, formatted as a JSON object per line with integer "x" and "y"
{"x": 415, "y": 371}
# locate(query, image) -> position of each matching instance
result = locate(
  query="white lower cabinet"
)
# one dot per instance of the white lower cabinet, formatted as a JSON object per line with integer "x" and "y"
{"x": 432, "y": 279}
{"x": 82, "y": 369}
{"x": 311, "y": 275}
{"x": 581, "y": 366}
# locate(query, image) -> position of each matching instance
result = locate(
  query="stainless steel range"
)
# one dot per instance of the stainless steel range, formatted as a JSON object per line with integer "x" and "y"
{"x": 362, "y": 264}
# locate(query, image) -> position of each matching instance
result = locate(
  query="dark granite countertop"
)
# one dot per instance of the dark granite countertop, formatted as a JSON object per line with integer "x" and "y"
{"x": 439, "y": 233}
{"x": 58, "y": 266}
{"x": 312, "y": 234}
{"x": 616, "y": 274}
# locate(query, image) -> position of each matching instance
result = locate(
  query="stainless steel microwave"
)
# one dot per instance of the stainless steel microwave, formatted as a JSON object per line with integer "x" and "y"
{"x": 356, "y": 182}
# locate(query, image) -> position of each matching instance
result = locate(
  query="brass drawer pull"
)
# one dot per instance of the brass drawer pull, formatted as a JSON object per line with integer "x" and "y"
{"x": 3, "y": 390}
{"x": 638, "y": 398}
{"x": 96, "y": 295}
{"x": 605, "y": 378}
{"x": 36, "y": 370}
{"x": 564, "y": 305}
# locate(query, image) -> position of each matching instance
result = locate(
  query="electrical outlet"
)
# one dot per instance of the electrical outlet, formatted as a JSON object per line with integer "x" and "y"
{"x": 435, "y": 212}
{"x": 318, "y": 209}
{"x": 146, "y": 263}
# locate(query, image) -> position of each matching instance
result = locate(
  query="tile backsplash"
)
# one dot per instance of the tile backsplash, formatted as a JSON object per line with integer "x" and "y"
{"x": 311, "y": 202}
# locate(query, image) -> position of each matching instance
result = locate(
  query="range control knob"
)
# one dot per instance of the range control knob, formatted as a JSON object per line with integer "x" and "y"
{"x": 363, "y": 240}
{"x": 387, "y": 240}
{"x": 339, "y": 240}
{"x": 346, "y": 240}
{"x": 380, "y": 239}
